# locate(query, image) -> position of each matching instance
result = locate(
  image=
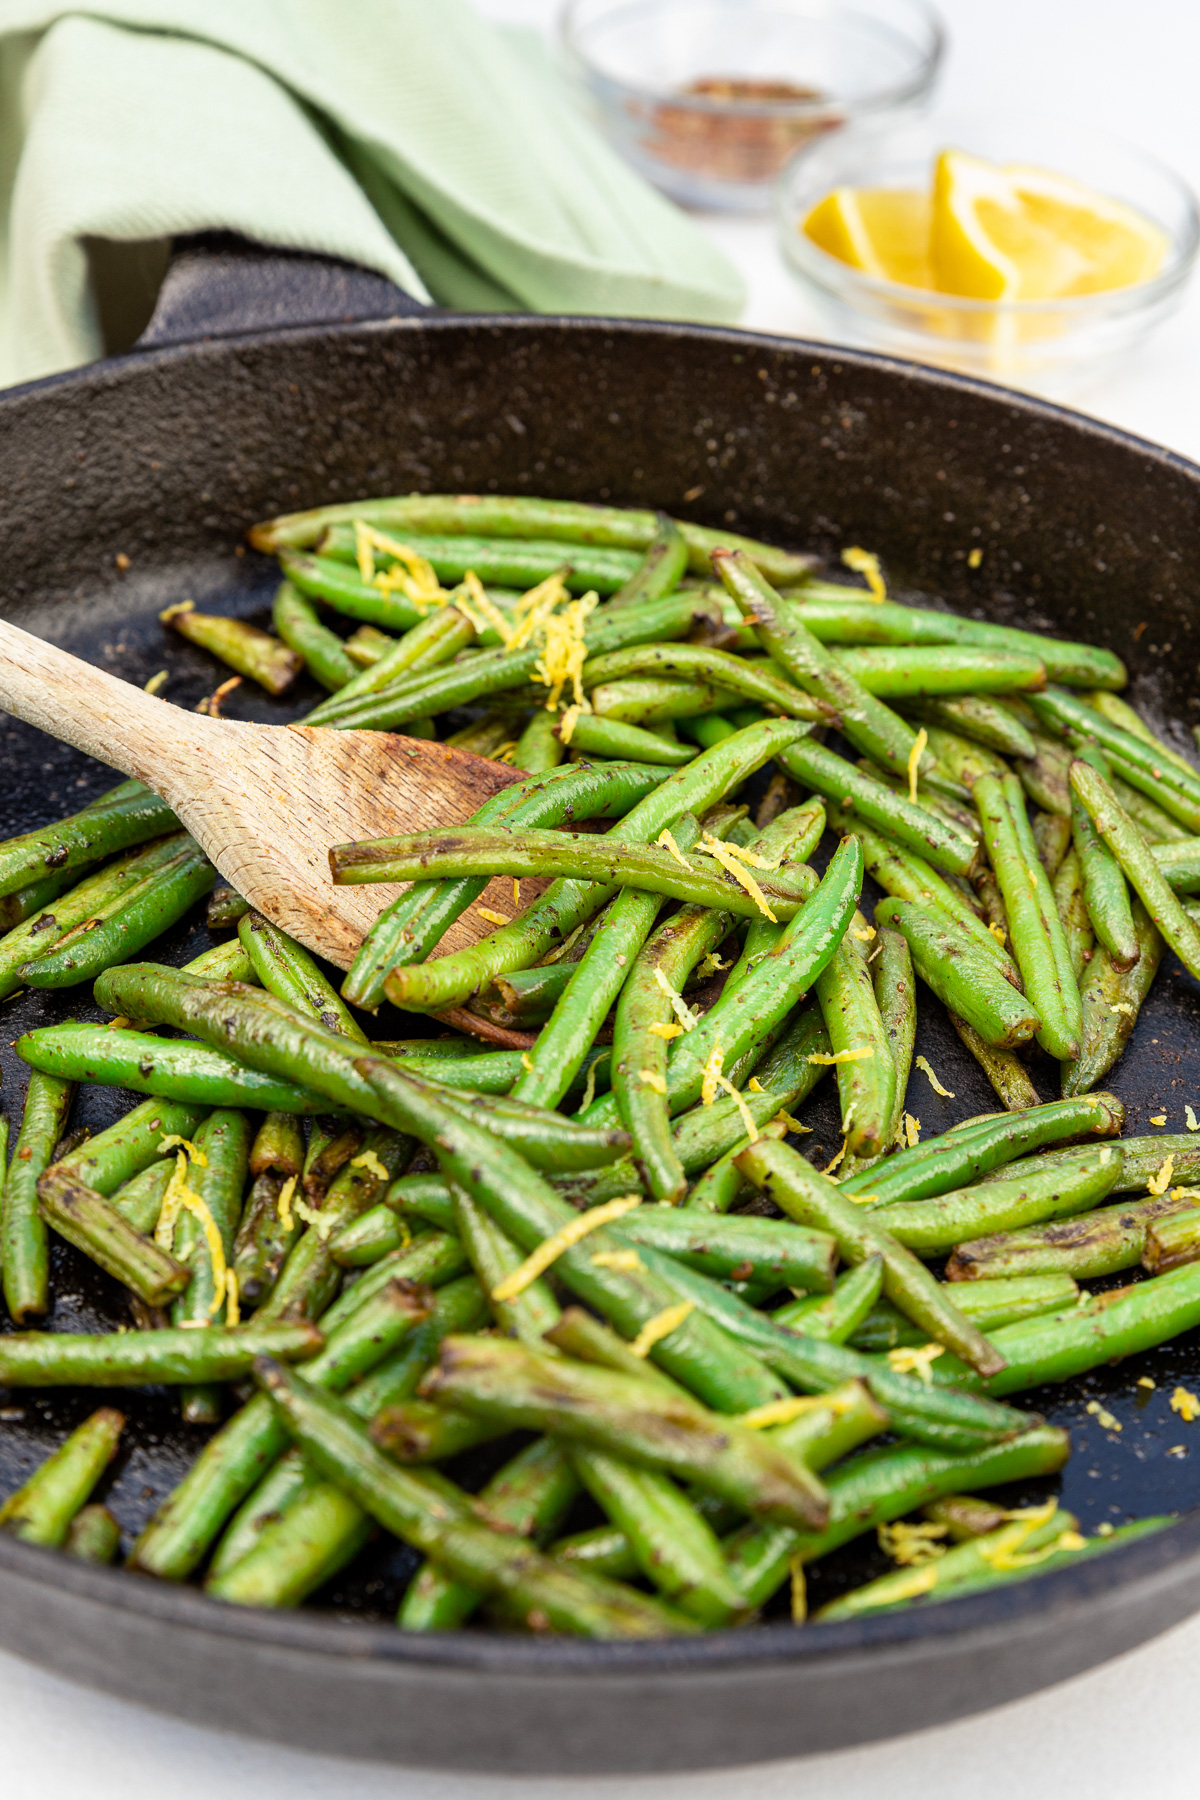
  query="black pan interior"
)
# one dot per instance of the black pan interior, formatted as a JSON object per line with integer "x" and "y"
{"x": 165, "y": 461}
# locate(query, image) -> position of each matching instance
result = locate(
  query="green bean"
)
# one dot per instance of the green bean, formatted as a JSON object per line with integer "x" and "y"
{"x": 309, "y": 1276}
{"x": 1169, "y": 782}
{"x": 1057, "y": 1346}
{"x": 126, "y": 815}
{"x": 148, "y": 910}
{"x": 529, "y": 1497}
{"x": 41, "y": 1511}
{"x": 962, "y": 1156}
{"x": 882, "y": 1484}
{"x": 1118, "y": 712}
{"x": 1111, "y": 1000}
{"x": 224, "y": 962}
{"x": 911, "y": 671}
{"x": 1052, "y": 840}
{"x": 867, "y": 1081}
{"x": 171, "y": 1069}
{"x": 906, "y": 876}
{"x": 266, "y": 1234}
{"x": 93, "y": 1536}
{"x": 758, "y": 1004}
{"x": 708, "y": 667}
{"x": 1180, "y": 864}
{"x": 651, "y": 701}
{"x": 661, "y": 569}
{"x": 539, "y": 748}
{"x": 543, "y": 1136}
{"x": 494, "y": 1257}
{"x": 989, "y": 1303}
{"x": 1155, "y": 825}
{"x": 837, "y": 1316}
{"x": 329, "y": 1542}
{"x": 996, "y": 1554}
{"x": 1137, "y": 864}
{"x": 1105, "y": 893}
{"x": 896, "y": 996}
{"x": 514, "y": 563}
{"x": 296, "y": 621}
{"x": 932, "y": 1227}
{"x": 146, "y": 1358}
{"x": 935, "y": 1416}
{"x": 242, "y": 647}
{"x": 1039, "y": 942}
{"x": 87, "y": 1220}
{"x": 1141, "y": 1158}
{"x": 980, "y": 719}
{"x": 106, "y": 1161}
{"x": 434, "y": 640}
{"x": 484, "y": 737}
{"x": 1071, "y": 904}
{"x": 93, "y": 898}
{"x": 367, "y": 645}
{"x": 411, "y": 927}
{"x": 1101, "y": 1243}
{"x": 960, "y": 760}
{"x": 1172, "y": 1242}
{"x": 23, "y": 1230}
{"x": 441, "y": 689}
{"x": 281, "y": 1569}
{"x": 639, "y": 1058}
{"x": 231, "y": 1462}
{"x": 287, "y": 970}
{"x": 595, "y": 984}
{"x": 780, "y": 628}
{"x": 766, "y": 1249}
{"x": 579, "y": 856}
{"x": 703, "y": 1134}
{"x": 451, "y": 979}
{"x": 217, "y": 1177}
{"x": 419, "y": 1433}
{"x": 672, "y": 1545}
{"x": 809, "y": 1198}
{"x": 528, "y": 1210}
{"x": 852, "y": 791}
{"x": 502, "y": 1381}
{"x": 499, "y": 516}
{"x": 822, "y": 1434}
{"x": 603, "y": 736}
{"x": 332, "y": 1141}
{"x": 528, "y": 996}
{"x": 140, "y": 1201}
{"x": 1003, "y": 1068}
{"x": 334, "y": 1442}
{"x": 26, "y": 902}
{"x": 844, "y": 615}
{"x": 967, "y": 981}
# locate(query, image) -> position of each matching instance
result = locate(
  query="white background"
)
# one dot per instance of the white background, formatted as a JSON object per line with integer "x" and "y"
{"x": 1129, "y": 1729}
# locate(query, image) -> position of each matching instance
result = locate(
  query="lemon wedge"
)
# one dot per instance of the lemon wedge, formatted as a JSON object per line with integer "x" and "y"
{"x": 1009, "y": 232}
{"x": 882, "y": 231}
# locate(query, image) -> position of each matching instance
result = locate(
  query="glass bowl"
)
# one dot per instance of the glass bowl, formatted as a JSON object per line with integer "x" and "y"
{"x": 709, "y": 98}
{"x": 1054, "y": 347}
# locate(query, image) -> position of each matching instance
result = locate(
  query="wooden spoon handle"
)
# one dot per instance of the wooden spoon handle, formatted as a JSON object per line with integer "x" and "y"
{"x": 101, "y": 715}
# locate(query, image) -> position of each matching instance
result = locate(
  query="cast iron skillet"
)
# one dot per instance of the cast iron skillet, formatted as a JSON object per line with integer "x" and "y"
{"x": 165, "y": 458}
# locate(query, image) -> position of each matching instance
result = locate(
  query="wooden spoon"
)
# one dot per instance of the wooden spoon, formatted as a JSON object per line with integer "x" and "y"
{"x": 264, "y": 802}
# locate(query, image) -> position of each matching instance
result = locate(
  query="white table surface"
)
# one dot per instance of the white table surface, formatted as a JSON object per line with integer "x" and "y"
{"x": 1129, "y": 1728}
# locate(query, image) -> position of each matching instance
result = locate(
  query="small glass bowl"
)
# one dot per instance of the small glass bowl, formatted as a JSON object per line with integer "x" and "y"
{"x": 1053, "y": 347}
{"x": 709, "y": 98}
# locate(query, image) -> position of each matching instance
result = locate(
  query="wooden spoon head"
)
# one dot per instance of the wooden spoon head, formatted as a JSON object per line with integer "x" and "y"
{"x": 279, "y": 796}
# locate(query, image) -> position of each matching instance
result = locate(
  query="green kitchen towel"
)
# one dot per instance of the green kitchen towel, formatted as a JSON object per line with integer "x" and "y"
{"x": 410, "y": 136}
